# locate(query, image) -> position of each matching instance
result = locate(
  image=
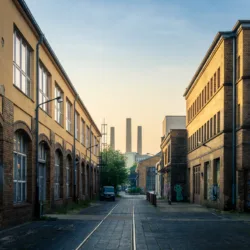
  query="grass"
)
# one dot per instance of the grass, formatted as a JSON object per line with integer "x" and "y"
{"x": 72, "y": 208}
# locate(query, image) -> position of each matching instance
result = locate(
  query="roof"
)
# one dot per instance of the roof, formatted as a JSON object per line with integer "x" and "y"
{"x": 52, "y": 53}
{"x": 218, "y": 36}
{"x": 158, "y": 154}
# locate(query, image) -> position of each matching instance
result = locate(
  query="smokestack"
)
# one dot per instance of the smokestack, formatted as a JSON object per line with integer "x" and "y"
{"x": 139, "y": 140}
{"x": 112, "y": 137}
{"x": 128, "y": 135}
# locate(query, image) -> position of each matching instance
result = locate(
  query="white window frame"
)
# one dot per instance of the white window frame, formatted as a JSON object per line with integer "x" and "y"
{"x": 43, "y": 87}
{"x": 58, "y": 106}
{"x": 20, "y": 181}
{"x": 68, "y": 115}
{"x": 21, "y": 69}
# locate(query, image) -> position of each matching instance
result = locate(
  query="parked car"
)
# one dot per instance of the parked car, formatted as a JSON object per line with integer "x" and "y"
{"x": 107, "y": 193}
{"x": 127, "y": 190}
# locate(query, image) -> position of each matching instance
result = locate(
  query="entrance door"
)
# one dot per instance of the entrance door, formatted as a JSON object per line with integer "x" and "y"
{"x": 196, "y": 184}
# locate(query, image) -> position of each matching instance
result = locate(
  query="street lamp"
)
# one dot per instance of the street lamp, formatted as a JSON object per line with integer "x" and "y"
{"x": 37, "y": 202}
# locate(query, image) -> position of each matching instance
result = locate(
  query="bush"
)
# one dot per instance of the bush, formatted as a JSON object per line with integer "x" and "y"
{"x": 135, "y": 190}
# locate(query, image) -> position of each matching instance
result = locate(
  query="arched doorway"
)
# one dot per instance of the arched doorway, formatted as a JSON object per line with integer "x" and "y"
{"x": 69, "y": 177}
{"x": 58, "y": 179}
{"x": 44, "y": 171}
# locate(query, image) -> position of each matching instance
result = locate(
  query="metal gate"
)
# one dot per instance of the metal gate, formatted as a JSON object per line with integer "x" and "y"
{"x": 196, "y": 184}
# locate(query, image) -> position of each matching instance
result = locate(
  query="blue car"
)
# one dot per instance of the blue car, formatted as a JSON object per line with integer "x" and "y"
{"x": 107, "y": 193}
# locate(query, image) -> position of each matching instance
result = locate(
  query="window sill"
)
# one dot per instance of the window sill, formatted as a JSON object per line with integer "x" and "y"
{"x": 20, "y": 205}
{"x": 23, "y": 93}
{"x": 45, "y": 112}
{"x": 59, "y": 124}
{"x": 69, "y": 132}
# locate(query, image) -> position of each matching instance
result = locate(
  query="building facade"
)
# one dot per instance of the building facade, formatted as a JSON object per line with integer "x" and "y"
{"x": 174, "y": 170}
{"x": 173, "y": 122}
{"x": 146, "y": 172}
{"x": 210, "y": 102}
{"x": 55, "y": 175}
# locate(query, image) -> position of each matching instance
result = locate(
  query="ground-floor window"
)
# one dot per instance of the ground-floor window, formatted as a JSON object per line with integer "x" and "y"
{"x": 42, "y": 171}
{"x": 207, "y": 181}
{"x": 216, "y": 182}
{"x": 19, "y": 168}
{"x": 57, "y": 179}
{"x": 68, "y": 178}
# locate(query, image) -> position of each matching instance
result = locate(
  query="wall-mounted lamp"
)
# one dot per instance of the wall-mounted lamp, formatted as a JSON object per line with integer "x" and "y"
{"x": 2, "y": 42}
{"x": 203, "y": 144}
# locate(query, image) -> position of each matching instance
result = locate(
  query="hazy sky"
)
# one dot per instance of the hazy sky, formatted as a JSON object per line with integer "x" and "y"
{"x": 134, "y": 58}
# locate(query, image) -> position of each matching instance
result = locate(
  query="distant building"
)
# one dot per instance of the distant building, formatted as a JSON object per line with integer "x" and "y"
{"x": 146, "y": 172}
{"x": 174, "y": 171}
{"x": 173, "y": 122}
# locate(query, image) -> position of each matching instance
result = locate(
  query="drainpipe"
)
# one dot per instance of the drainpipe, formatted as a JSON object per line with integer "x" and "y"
{"x": 90, "y": 179}
{"x": 234, "y": 127}
{"x": 37, "y": 205}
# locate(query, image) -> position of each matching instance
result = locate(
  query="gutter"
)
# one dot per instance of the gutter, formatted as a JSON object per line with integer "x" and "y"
{"x": 52, "y": 53}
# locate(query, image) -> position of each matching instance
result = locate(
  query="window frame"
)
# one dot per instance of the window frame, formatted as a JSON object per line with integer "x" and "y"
{"x": 25, "y": 72}
{"x": 42, "y": 92}
{"x": 58, "y": 105}
{"x": 68, "y": 116}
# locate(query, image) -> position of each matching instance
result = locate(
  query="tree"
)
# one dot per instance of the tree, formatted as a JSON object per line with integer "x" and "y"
{"x": 113, "y": 170}
{"x": 132, "y": 175}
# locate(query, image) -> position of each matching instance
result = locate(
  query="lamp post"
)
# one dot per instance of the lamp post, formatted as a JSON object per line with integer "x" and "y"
{"x": 37, "y": 201}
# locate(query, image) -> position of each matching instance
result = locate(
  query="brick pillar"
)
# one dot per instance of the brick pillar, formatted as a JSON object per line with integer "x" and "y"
{"x": 7, "y": 151}
{"x": 64, "y": 172}
{"x": 52, "y": 167}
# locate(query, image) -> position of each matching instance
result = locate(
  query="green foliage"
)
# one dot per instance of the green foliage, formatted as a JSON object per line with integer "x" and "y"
{"x": 135, "y": 190}
{"x": 72, "y": 207}
{"x": 113, "y": 172}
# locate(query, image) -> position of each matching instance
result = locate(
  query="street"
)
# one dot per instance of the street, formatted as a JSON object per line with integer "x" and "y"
{"x": 108, "y": 225}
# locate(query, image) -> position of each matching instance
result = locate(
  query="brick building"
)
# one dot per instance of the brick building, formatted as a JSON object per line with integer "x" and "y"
{"x": 174, "y": 161}
{"x": 19, "y": 35}
{"x": 146, "y": 173}
{"x": 210, "y": 118}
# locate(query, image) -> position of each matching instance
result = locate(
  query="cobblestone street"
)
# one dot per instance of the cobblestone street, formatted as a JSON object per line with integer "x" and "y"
{"x": 179, "y": 226}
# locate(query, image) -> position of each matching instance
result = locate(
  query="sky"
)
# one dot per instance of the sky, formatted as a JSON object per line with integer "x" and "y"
{"x": 134, "y": 58}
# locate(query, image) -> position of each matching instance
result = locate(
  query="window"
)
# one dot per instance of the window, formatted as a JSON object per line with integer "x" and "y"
{"x": 19, "y": 168}
{"x": 238, "y": 116}
{"x": 238, "y": 68}
{"x": 58, "y": 106}
{"x": 77, "y": 125}
{"x": 42, "y": 171}
{"x": 87, "y": 137}
{"x": 207, "y": 130}
{"x": 214, "y": 124}
{"x": 211, "y": 87}
{"x": 218, "y": 122}
{"x": 68, "y": 178}
{"x": 82, "y": 132}
{"x": 68, "y": 115}
{"x": 216, "y": 179}
{"x": 202, "y": 134}
{"x": 218, "y": 77}
{"x": 214, "y": 82}
{"x": 205, "y": 95}
{"x": 21, "y": 64}
{"x": 208, "y": 85}
{"x": 58, "y": 177}
{"x": 211, "y": 127}
{"x": 43, "y": 87}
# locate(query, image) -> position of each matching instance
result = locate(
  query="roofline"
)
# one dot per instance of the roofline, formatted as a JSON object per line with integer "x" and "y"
{"x": 150, "y": 157}
{"x": 211, "y": 48}
{"x": 31, "y": 18}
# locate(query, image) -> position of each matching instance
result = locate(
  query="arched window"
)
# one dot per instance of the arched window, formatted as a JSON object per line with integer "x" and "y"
{"x": 42, "y": 171}
{"x": 68, "y": 178}
{"x": 19, "y": 168}
{"x": 58, "y": 173}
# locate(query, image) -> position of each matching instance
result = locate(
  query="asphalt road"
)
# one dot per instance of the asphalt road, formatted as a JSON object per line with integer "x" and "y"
{"x": 108, "y": 225}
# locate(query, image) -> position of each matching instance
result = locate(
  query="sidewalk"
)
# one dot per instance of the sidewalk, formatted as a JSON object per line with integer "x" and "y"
{"x": 186, "y": 207}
